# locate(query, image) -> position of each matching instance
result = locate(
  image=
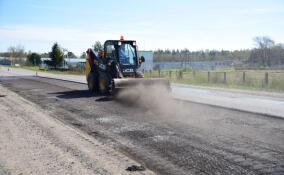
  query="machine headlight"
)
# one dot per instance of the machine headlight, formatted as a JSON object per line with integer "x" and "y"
{"x": 119, "y": 43}
{"x": 134, "y": 43}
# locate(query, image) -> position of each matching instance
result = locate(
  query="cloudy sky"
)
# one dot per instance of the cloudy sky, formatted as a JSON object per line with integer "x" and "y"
{"x": 173, "y": 24}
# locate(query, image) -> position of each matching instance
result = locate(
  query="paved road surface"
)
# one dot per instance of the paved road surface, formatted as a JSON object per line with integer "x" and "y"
{"x": 256, "y": 102}
{"x": 168, "y": 136}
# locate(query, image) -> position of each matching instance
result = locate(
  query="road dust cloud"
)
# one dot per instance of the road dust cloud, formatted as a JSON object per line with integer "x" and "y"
{"x": 156, "y": 98}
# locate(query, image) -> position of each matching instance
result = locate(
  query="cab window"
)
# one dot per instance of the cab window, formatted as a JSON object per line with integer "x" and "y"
{"x": 110, "y": 51}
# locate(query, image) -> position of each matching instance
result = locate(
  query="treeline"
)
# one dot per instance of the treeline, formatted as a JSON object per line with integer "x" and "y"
{"x": 19, "y": 52}
{"x": 15, "y": 52}
{"x": 266, "y": 53}
{"x": 203, "y": 55}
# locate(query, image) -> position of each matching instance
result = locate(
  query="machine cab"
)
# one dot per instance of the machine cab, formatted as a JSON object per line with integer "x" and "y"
{"x": 123, "y": 52}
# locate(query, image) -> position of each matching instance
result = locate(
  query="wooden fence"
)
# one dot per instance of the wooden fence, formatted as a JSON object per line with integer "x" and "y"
{"x": 254, "y": 79}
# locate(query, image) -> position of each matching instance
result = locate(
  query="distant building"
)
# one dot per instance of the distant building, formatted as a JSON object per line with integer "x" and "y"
{"x": 67, "y": 63}
{"x": 5, "y": 61}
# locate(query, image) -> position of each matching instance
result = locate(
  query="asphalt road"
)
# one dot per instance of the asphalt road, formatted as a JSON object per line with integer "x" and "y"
{"x": 167, "y": 136}
{"x": 267, "y": 103}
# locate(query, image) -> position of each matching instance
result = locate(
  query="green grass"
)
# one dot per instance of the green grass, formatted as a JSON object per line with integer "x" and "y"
{"x": 224, "y": 70}
{"x": 35, "y": 68}
{"x": 66, "y": 72}
{"x": 229, "y": 86}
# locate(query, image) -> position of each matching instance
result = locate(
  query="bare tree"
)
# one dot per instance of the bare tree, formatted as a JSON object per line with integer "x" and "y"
{"x": 16, "y": 52}
{"x": 12, "y": 51}
{"x": 264, "y": 44}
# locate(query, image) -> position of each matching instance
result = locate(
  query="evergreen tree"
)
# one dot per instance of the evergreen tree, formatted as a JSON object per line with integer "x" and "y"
{"x": 56, "y": 56}
{"x": 34, "y": 59}
{"x": 98, "y": 46}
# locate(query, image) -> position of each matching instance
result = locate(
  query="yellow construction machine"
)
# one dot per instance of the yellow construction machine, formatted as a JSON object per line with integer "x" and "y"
{"x": 116, "y": 67}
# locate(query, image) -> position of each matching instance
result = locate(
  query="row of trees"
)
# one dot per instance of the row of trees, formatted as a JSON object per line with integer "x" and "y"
{"x": 202, "y": 55}
{"x": 266, "y": 53}
{"x": 15, "y": 52}
{"x": 19, "y": 52}
{"x": 67, "y": 55}
{"x": 56, "y": 56}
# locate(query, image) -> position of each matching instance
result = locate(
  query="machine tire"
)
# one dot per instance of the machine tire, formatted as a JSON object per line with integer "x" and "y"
{"x": 92, "y": 82}
{"x": 104, "y": 83}
{"x": 113, "y": 91}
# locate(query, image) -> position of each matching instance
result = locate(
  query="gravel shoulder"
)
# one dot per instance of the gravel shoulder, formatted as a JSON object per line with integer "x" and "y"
{"x": 33, "y": 142}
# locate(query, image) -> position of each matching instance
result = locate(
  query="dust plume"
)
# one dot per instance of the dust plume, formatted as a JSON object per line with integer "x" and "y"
{"x": 156, "y": 98}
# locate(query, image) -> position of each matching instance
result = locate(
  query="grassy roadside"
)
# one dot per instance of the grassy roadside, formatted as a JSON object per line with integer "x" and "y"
{"x": 229, "y": 86}
{"x": 254, "y": 80}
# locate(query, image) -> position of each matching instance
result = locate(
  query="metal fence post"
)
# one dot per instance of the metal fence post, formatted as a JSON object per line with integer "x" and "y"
{"x": 170, "y": 74}
{"x": 150, "y": 73}
{"x": 159, "y": 70}
{"x": 266, "y": 78}
{"x": 244, "y": 77}
{"x": 208, "y": 76}
{"x": 225, "y": 77}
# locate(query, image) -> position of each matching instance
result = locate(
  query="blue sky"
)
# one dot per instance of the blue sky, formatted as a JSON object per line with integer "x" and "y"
{"x": 173, "y": 24}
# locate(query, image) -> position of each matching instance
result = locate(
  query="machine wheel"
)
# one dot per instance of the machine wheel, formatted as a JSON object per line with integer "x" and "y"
{"x": 92, "y": 82}
{"x": 112, "y": 90}
{"x": 104, "y": 83}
